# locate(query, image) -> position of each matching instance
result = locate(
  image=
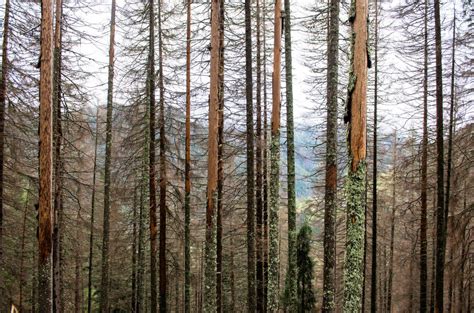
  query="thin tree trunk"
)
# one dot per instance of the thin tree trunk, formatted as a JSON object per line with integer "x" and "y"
{"x": 91, "y": 237}
{"x": 151, "y": 156}
{"x": 104, "y": 288}
{"x": 78, "y": 265}
{"x": 251, "y": 306}
{"x": 424, "y": 177}
{"x": 23, "y": 237}
{"x": 187, "y": 169}
{"x": 210, "y": 268}
{"x": 3, "y": 97}
{"x": 134, "y": 251}
{"x": 373, "y": 289}
{"x": 273, "y": 257}
{"x": 45, "y": 159}
{"x": 329, "y": 301}
{"x": 357, "y": 138}
{"x": 290, "y": 287}
{"x": 163, "y": 178}
{"x": 440, "y": 217}
{"x": 392, "y": 229}
{"x": 220, "y": 164}
{"x": 58, "y": 164}
{"x": 141, "y": 293}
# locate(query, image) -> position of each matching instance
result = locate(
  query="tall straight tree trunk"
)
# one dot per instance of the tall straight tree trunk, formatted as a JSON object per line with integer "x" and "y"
{"x": 58, "y": 164}
{"x": 259, "y": 174}
{"x": 373, "y": 289}
{"x": 356, "y": 118}
{"x": 141, "y": 233}
{"x": 151, "y": 155}
{"x": 451, "y": 132}
{"x": 45, "y": 159}
{"x": 250, "y": 162}
{"x": 163, "y": 178}
{"x": 329, "y": 300}
{"x": 187, "y": 169}
{"x": 290, "y": 287}
{"x": 220, "y": 164}
{"x": 392, "y": 228}
{"x": 273, "y": 257}
{"x": 77, "y": 267}
{"x": 104, "y": 286}
{"x": 440, "y": 217}
{"x": 265, "y": 164}
{"x": 424, "y": 177}
{"x": 210, "y": 257}
{"x": 3, "y": 97}
{"x": 91, "y": 236}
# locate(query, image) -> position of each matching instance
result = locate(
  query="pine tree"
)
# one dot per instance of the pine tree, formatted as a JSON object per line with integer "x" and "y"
{"x": 274, "y": 197}
{"x": 290, "y": 284}
{"x": 305, "y": 291}
{"x": 357, "y": 137}
{"x": 104, "y": 286}
{"x": 329, "y": 301}
{"x": 45, "y": 159}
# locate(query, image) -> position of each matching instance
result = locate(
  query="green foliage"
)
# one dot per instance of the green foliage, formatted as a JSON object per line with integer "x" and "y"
{"x": 305, "y": 291}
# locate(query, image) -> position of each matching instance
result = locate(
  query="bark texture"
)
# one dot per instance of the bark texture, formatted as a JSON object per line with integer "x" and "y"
{"x": 329, "y": 301}
{"x": 104, "y": 285}
{"x": 357, "y": 136}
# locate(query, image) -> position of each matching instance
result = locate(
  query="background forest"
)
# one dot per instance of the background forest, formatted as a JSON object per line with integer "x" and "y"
{"x": 236, "y": 156}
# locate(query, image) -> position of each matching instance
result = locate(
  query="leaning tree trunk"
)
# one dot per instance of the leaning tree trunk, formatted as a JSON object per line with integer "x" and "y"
{"x": 45, "y": 159}
{"x": 210, "y": 257}
{"x": 357, "y": 136}
{"x": 104, "y": 288}
{"x": 187, "y": 169}
{"x": 151, "y": 155}
{"x": 424, "y": 176}
{"x": 440, "y": 216}
{"x": 273, "y": 257}
{"x": 290, "y": 288}
{"x": 250, "y": 162}
{"x": 329, "y": 300}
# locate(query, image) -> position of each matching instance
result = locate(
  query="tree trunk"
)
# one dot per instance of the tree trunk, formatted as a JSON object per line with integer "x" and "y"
{"x": 424, "y": 176}
{"x": 91, "y": 237}
{"x": 58, "y": 164}
{"x": 210, "y": 267}
{"x": 329, "y": 301}
{"x": 440, "y": 217}
{"x": 45, "y": 159}
{"x": 3, "y": 97}
{"x": 392, "y": 229}
{"x": 259, "y": 175}
{"x": 163, "y": 178}
{"x": 373, "y": 289}
{"x": 134, "y": 250}
{"x": 187, "y": 169}
{"x": 290, "y": 287}
{"x": 151, "y": 156}
{"x": 141, "y": 236}
{"x": 250, "y": 163}
{"x": 22, "y": 255}
{"x": 357, "y": 133}
{"x": 220, "y": 164}
{"x": 273, "y": 257}
{"x": 78, "y": 267}
{"x": 104, "y": 288}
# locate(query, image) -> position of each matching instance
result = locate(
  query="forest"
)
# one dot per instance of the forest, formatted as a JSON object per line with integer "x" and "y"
{"x": 237, "y": 156}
